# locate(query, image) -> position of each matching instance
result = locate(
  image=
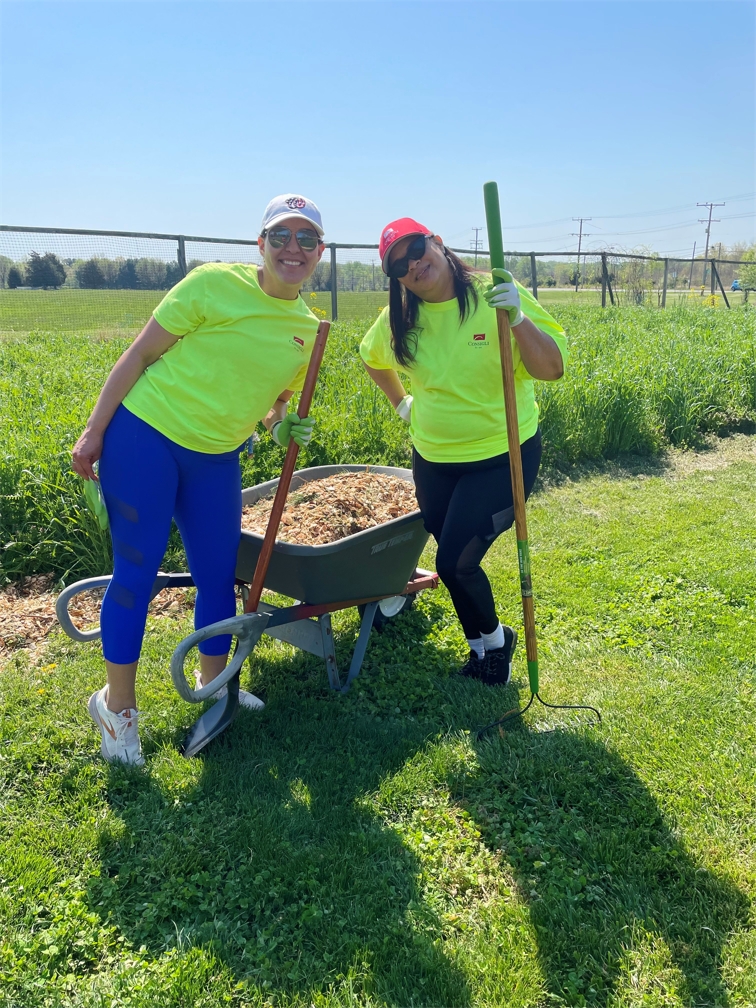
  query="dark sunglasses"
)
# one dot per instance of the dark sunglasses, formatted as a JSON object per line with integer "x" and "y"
{"x": 306, "y": 239}
{"x": 400, "y": 267}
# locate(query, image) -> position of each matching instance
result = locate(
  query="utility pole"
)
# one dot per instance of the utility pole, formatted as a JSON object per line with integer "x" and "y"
{"x": 692, "y": 262}
{"x": 579, "y": 235}
{"x": 702, "y": 220}
{"x": 476, "y": 242}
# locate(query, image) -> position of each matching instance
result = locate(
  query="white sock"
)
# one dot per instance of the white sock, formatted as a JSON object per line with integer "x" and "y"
{"x": 494, "y": 640}
{"x": 478, "y": 647}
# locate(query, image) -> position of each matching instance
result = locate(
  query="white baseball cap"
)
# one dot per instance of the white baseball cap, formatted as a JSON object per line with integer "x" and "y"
{"x": 291, "y": 205}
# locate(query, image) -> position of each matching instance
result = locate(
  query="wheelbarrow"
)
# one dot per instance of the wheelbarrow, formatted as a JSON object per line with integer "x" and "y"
{"x": 374, "y": 570}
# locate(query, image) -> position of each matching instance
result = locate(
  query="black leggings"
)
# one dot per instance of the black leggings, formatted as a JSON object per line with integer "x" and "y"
{"x": 465, "y": 506}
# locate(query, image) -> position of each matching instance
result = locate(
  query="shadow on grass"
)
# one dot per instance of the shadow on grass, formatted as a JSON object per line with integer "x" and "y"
{"x": 271, "y": 861}
{"x": 274, "y": 860}
{"x": 614, "y": 896}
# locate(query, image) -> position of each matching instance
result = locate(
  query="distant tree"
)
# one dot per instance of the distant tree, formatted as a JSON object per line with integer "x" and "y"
{"x": 45, "y": 271}
{"x": 150, "y": 274}
{"x": 5, "y": 265}
{"x": 15, "y": 278}
{"x": 126, "y": 278}
{"x": 747, "y": 275}
{"x": 90, "y": 275}
{"x": 172, "y": 274}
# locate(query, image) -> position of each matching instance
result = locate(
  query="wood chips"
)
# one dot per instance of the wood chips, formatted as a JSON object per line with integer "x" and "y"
{"x": 27, "y": 610}
{"x": 325, "y": 510}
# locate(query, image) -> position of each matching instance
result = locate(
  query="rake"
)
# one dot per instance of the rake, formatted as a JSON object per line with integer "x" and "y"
{"x": 496, "y": 247}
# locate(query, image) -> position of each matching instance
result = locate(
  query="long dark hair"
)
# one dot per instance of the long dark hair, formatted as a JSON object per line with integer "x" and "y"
{"x": 404, "y": 306}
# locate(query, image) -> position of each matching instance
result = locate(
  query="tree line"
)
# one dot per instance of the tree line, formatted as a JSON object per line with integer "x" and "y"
{"x": 638, "y": 276}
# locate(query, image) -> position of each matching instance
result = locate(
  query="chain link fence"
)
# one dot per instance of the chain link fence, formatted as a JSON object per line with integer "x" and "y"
{"x": 110, "y": 281}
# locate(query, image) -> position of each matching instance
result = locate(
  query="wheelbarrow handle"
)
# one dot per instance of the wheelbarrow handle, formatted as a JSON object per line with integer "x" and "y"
{"x": 247, "y": 628}
{"x": 63, "y": 601}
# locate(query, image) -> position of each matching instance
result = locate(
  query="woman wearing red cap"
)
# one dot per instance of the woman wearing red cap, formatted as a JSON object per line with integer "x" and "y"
{"x": 224, "y": 349}
{"x": 439, "y": 328}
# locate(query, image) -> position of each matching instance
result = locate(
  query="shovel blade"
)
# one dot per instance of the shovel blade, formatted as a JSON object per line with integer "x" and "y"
{"x": 214, "y": 721}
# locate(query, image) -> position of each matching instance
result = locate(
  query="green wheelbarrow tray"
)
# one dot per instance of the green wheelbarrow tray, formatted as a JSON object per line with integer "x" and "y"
{"x": 376, "y": 562}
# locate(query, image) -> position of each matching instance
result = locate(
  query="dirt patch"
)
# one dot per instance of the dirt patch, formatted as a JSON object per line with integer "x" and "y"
{"x": 326, "y": 510}
{"x": 27, "y": 610}
{"x": 673, "y": 464}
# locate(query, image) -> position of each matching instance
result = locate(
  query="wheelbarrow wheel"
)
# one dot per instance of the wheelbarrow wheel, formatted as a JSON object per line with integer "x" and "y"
{"x": 388, "y": 609}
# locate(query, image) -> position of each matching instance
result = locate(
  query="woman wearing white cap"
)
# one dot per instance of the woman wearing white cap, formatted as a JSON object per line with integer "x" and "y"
{"x": 440, "y": 330}
{"x": 225, "y": 348}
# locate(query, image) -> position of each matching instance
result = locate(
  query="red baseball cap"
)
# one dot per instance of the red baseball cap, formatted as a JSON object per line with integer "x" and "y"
{"x": 397, "y": 229}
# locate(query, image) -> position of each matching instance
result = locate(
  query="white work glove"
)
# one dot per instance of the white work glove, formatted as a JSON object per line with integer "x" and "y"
{"x": 404, "y": 408}
{"x": 505, "y": 295}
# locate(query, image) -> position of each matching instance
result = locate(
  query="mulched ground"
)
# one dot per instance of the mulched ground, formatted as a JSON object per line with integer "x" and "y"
{"x": 329, "y": 509}
{"x": 27, "y": 610}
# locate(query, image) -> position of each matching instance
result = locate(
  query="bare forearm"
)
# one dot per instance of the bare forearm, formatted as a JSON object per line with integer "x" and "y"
{"x": 539, "y": 352}
{"x": 278, "y": 412}
{"x": 125, "y": 374}
{"x": 389, "y": 383}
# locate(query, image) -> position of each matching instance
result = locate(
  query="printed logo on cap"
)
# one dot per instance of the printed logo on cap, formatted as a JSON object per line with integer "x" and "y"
{"x": 296, "y": 203}
{"x": 387, "y": 233}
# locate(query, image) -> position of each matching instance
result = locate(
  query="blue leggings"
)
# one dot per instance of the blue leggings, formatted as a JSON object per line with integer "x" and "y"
{"x": 147, "y": 480}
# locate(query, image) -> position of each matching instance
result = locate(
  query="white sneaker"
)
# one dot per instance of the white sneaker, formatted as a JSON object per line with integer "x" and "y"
{"x": 246, "y": 699}
{"x": 120, "y": 734}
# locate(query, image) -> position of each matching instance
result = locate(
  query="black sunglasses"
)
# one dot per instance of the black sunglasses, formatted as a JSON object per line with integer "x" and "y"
{"x": 279, "y": 236}
{"x": 400, "y": 267}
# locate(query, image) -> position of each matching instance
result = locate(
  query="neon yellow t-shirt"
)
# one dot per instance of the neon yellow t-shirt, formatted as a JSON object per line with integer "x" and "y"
{"x": 240, "y": 349}
{"x": 458, "y": 399}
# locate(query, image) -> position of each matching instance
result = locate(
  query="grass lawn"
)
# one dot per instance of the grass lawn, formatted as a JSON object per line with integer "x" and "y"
{"x": 366, "y": 850}
{"x": 124, "y": 312}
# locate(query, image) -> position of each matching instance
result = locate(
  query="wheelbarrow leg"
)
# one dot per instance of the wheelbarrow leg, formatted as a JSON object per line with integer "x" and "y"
{"x": 215, "y": 720}
{"x": 329, "y": 651}
{"x": 361, "y": 646}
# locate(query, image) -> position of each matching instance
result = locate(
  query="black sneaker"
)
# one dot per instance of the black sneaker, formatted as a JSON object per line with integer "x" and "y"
{"x": 498, "y": 663}
{"x": 474, "y": 667}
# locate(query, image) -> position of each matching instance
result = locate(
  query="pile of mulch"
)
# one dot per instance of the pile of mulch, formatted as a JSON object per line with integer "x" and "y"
{"x": 27, "y": 610}
{"x": 326, "y": 510}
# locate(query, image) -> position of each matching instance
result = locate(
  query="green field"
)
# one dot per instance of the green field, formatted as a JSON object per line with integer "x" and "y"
{"x": 637, "y": 381}
{"x": 365, "y": 851}
{"x": 124, "y": 312}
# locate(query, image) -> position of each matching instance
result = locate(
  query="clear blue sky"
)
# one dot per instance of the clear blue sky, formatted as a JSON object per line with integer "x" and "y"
{"x": 188, "y": 117}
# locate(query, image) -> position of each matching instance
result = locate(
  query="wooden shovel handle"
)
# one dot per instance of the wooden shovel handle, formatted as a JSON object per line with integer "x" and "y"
{"x": 279, "y": 503}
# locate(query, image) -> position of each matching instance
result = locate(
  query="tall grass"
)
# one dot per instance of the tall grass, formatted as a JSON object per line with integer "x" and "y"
{"x": 638, "y": 380}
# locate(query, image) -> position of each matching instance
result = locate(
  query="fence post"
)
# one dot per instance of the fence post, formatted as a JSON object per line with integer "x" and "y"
{"x": 719, "y": 281}
{"x": 603, "y": 280}
{"x": 334, "y": 286}
{"x": 664, "y": 288}
{"x": 181, "y": 255}
{"x": 534, "y": 275}
{"x": 713, "y": 280}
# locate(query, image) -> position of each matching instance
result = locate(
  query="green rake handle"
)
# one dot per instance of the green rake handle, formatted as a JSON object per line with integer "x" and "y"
{"x": 496, "y": 247}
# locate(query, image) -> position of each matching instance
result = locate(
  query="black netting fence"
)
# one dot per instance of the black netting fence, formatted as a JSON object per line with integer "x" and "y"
{"x": 110, "y": 282}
